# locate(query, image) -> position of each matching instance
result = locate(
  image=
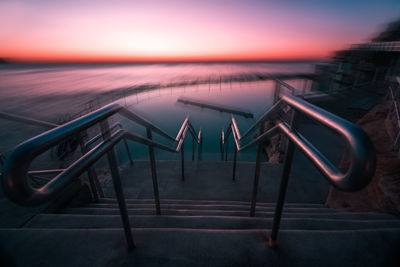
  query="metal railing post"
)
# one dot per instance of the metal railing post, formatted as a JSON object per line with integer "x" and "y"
{"x": 199, "y": 146}
{"x": 221, "y": 145}
{"x": 284, "y": 183}
{"x": 154, "y": 173}
{"x": 183, "y": 160}
{"x": 128, "y": 151}
{"x": 192, "y": 148}
{"x": 226, "y": 148}
{"x": 91, "y": 175}
{"x": 234, "y": 163}
{"x": 256, "y": 175}
{"x": 112, "y": 161}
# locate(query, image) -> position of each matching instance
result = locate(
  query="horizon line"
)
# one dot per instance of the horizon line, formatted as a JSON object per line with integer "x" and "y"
{"x": 44, "y": 61}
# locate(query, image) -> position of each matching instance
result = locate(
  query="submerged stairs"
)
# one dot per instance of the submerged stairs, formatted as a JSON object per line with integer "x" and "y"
{"x": 205, "y": 226}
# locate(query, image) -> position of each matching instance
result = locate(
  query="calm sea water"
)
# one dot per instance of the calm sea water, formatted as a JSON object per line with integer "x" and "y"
{"x": 51, "y": 92}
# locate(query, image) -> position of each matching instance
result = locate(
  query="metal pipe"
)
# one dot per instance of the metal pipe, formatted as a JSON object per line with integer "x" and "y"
{"x": 199, "y": 145}
{"x": 236, "y": 128}
{"x": 99, "y": 136}
{"x": 112, "y": 161}
{"x": 137, "y": 118}
{"x": 270, "y": 112}
{"x": 89, "y": 173}
{"x": 192, "y": 148}
{"x": 234, "y": 164}
{"x": 180, "y": 144}
{"x": 221, "y": 145}
{"x": 284, "y": 182}
{"x": 154, "y": 174}
{"x": 178, "y": 136}
{"x": 235, "y": 137}
{"x": 256, "y": 176}
{"x": 226, "y": 148}
{"x": 363, "y": 160}
{"x": 46, "y": 171}
{"x": 183, "y": 160}
{"x": 128, "y": 151}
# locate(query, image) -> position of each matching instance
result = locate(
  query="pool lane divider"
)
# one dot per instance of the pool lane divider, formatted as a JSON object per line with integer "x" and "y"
{"x": 214, "y": 106}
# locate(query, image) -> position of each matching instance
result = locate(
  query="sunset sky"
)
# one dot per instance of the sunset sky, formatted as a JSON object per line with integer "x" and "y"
{"x": 139, "y": 30}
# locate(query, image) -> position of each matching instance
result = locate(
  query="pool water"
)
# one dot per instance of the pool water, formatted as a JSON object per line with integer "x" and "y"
{"x": 162, "y": 108}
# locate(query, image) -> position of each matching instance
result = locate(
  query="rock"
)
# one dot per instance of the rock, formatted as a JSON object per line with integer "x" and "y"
{"x": 383, "y": 193}
{"x": 273, "y": 147}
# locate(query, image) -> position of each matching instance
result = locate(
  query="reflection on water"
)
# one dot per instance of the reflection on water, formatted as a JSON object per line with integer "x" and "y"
{"x": 162, "y": 108}
{"x": 60, "y": 92}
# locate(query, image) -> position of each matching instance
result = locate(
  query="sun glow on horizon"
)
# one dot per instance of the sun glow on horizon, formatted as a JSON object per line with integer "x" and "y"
{"x": 176, "y": 30}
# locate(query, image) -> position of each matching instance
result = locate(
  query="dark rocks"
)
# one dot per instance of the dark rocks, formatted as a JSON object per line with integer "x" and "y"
{"x": 383, "y": 193}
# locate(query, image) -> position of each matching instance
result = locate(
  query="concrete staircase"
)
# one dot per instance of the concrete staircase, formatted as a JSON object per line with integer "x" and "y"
{"x": 216, "y": 215}
{"x": 213, "y": 231}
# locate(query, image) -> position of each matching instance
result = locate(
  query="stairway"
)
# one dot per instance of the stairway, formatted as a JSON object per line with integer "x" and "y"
{"x": 213, "y": 231}
{"x": 215, "y": 215}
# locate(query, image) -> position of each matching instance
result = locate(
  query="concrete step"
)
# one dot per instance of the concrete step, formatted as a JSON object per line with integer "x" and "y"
{"x": 242, "y": 213}
{"x": 215, "y": 212}
{"x": 212, "y": 180}
{"x": 207, "y": 202}
{"x": 187, "y": 247}
{"x": 66, "y": 221}
{"x": 184, "y": 211}
{"x": 218, "y": 206}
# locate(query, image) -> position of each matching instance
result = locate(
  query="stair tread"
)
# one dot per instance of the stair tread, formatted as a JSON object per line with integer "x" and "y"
{"x": 100, "y": 247}
{"x": 183, "y": 201}
{"x": 212, "y": 222}
{"x": 151, "y": 211}
{"x": 205, "y": 206}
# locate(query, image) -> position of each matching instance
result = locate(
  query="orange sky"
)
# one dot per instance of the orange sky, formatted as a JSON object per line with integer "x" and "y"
{"x": 185, "y": 30}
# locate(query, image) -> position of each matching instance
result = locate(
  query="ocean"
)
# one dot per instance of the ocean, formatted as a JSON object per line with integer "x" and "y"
{"x": 60, "y": 92}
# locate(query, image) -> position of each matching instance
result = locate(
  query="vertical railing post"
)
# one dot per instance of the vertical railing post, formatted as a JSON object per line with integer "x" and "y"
{"x": 199, "y": 144}
{"x": 93, "y": 181}
{"x": 284, "y": 183}
{"x": 128, "y": 151}
{"x": 257, "y": 174}
{"x": 221, "y": 145}
{"x": 193, "y": 148}
{"x": 226, "y": 148}
{"x": 154, "y": 173}
{"x": 183, "y": 160}
{"x": 112, "y": 161}
{"x": 234, "y": 163}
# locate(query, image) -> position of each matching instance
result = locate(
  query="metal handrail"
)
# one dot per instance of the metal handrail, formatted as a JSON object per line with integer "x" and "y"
{"x": 362, "y": 152}
{"x": 15, "y": 173}
{"x": 97, "y": 137}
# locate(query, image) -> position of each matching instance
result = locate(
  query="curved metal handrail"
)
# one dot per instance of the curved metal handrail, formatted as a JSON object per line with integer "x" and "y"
{"x": 15, "y": 174}
{"x": 362, "y": 155}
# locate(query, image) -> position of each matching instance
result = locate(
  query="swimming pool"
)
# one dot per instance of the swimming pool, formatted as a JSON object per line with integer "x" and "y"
{"x": 161, "y": 107}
